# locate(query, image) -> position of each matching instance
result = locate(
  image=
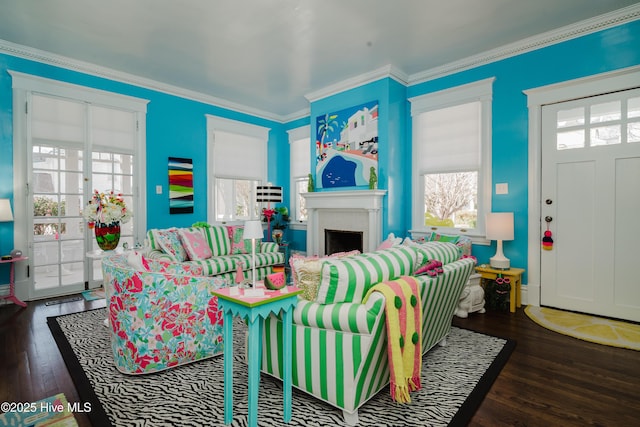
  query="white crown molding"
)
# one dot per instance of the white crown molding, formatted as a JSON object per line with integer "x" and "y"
{"x": 539, "y": 41}
{"x": 49, "y": 58}
{"x": 582, "y": 28}
{"x": 390, "y": 71}
{"x": 296, "y": 115}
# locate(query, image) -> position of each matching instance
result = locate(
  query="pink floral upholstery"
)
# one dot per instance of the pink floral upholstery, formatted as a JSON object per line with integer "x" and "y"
{"x": 160, "y": 319}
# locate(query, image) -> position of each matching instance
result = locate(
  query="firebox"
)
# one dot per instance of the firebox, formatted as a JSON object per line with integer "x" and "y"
{"x": 342, "y": 241}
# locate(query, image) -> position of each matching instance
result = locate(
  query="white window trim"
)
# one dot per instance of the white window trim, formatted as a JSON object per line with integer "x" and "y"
{"x": 22, "y": 85}
{"x": 296, "y": 134}
{"x": 214, "y": 124}
{"x": 482, "y": 91}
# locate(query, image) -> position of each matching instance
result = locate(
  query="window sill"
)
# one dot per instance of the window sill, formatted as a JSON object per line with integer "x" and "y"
{"x": 300, "y": 225}
{"x": 475, "y": 239}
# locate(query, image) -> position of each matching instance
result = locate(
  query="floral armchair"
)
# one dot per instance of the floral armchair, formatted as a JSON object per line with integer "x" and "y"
{"x": 161, "y": 314}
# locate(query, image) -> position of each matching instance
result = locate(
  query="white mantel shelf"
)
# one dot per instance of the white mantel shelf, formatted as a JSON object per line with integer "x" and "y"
{"x": 365, "y": 204}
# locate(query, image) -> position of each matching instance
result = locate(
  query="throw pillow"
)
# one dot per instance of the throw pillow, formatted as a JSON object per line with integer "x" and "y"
{"x": 297, "y": 261}
{"x": 237, "y": 242}
{"x": 391, "y": 241}
{"x": 348, "y": 279}
{"x": 437, "y": 237}
{"x": 308, "y": 277}
{"x": 194, "y": 243}
{"x": 218, "y": 239}
{"x": 170, "y": 243}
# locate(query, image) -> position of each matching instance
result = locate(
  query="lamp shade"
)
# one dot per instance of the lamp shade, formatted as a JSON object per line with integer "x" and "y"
{"x": 5, "y": 211}
{"x": 268, "y": 194}
{"x": 253, "y": 230}
{"x": 499, "y": 226}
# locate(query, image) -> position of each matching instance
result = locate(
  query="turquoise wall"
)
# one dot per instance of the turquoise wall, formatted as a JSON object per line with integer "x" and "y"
{"x": 177, "y": 127}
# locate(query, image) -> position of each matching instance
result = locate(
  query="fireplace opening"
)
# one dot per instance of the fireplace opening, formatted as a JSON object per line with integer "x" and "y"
{"x": 342, "y": 241}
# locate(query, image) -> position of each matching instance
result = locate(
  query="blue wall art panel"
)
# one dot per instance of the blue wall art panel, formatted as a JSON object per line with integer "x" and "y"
{"x": 347, "y": 146}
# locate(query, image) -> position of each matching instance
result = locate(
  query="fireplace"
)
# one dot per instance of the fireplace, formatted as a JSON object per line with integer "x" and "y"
{"x": 342, "y": 241}
{"x": 347, "y": 211}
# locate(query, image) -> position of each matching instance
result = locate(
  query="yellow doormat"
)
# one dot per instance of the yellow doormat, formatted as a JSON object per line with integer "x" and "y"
{"x": 588, "y": 328}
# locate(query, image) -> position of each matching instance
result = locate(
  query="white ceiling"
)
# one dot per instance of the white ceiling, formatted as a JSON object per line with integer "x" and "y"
{"x": 268, "y": 54}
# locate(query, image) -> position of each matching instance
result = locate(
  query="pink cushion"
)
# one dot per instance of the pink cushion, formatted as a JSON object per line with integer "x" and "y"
{"x": 391, "y": 241}
{"x": 240, "y": 245}
{"x": 195, "y": 243}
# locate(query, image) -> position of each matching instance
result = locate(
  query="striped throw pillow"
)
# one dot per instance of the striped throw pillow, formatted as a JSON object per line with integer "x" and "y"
{"x": 348, "y": 279}
{"x": 218, "y": 239}
{"x": 444, "y": 252}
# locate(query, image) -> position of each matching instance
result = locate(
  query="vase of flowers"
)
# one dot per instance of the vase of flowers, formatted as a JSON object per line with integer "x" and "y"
{"x": 104, "y": 213}
{"x": 278, "y": 218}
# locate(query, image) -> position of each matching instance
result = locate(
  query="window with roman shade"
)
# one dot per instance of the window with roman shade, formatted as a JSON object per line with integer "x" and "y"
{"x": 452, "y": 154}
{"x": 299, "y": 169}
{"x": 237, "y": 161}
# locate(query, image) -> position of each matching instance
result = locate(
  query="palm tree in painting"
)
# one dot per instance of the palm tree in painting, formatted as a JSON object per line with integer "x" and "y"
{"x": 326, "y": 125}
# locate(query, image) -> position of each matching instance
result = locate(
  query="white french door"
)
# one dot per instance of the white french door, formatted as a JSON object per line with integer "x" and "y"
{"x": 71, "y": 141}
{"x": 76, "y": 148}
{"x": 590, "y": 199}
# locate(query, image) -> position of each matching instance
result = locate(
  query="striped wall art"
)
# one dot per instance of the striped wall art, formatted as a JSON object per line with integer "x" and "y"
{"x": 180, "y": 185}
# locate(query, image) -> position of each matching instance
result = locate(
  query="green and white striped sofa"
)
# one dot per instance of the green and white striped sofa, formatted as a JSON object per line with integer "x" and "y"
{"x": 226, "y": 250}
{"x": 339, "y": 343}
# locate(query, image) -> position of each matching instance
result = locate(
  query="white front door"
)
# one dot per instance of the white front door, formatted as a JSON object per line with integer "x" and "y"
{"x": 590, "y": 196}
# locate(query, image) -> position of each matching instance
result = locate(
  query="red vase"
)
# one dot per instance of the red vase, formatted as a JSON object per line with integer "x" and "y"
{"x": 107, "y": 235}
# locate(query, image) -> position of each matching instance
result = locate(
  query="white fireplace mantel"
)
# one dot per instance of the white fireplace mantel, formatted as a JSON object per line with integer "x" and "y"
{"x": 348, "y": 210}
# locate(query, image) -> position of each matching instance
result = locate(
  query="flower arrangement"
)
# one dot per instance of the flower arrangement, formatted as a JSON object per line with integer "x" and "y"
{"x": 107, "y": 208}
{"x": 279, "y": 217}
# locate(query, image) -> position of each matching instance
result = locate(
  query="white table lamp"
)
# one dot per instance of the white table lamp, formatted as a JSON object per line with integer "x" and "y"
{"x": 499, "y": 228}
{"x": 253, "y": 231}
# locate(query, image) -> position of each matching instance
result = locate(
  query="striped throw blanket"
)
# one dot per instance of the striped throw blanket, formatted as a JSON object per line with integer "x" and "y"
{"x": 404, "y": 341}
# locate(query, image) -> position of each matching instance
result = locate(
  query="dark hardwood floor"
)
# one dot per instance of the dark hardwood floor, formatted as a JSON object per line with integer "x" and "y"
{"x": 550, "y": 379}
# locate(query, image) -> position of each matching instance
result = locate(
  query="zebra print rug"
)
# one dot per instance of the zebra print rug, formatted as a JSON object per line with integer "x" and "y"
{"x": 455, "y": 379}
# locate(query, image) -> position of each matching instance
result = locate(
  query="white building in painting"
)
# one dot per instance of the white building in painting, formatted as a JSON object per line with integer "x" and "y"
{"x": 361, "y": 126}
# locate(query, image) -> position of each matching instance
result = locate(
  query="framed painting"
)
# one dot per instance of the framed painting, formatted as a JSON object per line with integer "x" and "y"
{"x": 180, "y": 185}
{"x": 347, "y": 147}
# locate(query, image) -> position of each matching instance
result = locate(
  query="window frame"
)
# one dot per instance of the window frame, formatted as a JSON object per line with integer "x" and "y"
{"x": 480, "y": 91}
{"x": 296, "y": 135}
{"x": 24, "y": 84}
{"x": 218, "y": 124}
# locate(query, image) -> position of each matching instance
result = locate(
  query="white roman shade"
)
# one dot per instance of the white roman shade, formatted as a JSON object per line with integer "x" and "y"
{"x": 239, "y": 149}
{"x": 300, "y": 157}
{"x": 451, "y": 139}
{"x": 236, "y": 156}
{"x": 113, "y": 130}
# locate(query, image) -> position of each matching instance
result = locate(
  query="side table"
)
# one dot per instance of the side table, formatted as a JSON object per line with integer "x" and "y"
{"x": 514, "y": 275}
{"x": 234, "y": 302}
{"x": 12, "y": 284}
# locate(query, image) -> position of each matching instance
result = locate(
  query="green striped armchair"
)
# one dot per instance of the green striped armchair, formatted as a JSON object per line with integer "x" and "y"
{"x": 339, "y": 343}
